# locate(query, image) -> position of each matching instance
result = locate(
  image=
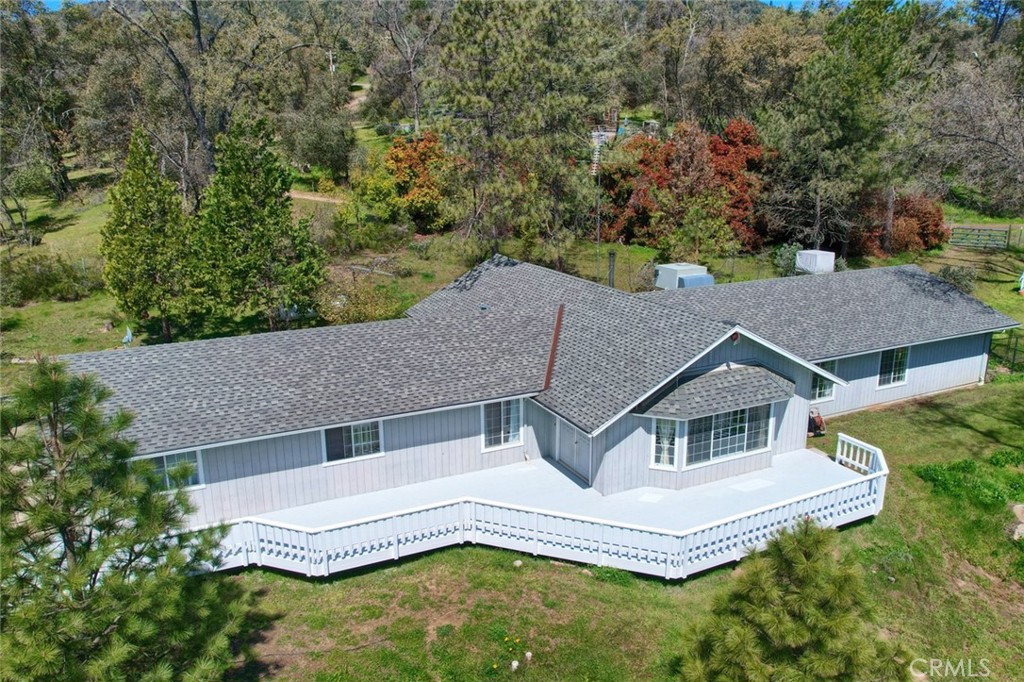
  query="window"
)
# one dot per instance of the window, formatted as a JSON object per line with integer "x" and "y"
{"x": 728, "y": 433}
{"x": 351, "y": 442}
{"x": 893, "y": 366}
{"x": 665, "y": 443}
{"x": 822, "y": 388}
{"x": 170, "y": 467}
{"x": 502, "y": 423}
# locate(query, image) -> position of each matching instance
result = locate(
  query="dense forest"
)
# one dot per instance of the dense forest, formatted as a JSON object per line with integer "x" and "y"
{"x": 724, "y": 126}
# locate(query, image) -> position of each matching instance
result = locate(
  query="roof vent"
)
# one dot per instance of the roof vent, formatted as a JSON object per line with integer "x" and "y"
{"x": 815, "y": 262}
{"x": 485, "y": 307}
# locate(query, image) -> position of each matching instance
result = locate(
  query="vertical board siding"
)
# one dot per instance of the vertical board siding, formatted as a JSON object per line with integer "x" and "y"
{"x": 932, "y": 367}
{"x": 627, "y": 444}
{"x": 277, "y": 473}
{"x": 538, "y": 430}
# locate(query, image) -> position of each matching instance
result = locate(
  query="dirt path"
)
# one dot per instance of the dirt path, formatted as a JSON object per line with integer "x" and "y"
{"x": 358, "y": 96}
{"x": 313, "y": 196}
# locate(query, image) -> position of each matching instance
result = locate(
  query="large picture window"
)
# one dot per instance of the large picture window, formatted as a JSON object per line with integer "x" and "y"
{"x": 728, "y": 433}
{"x": 893, "y": 366}
{"x": 665, "y": 443}
{"x": 502, "y": 423}
{"x": 168, "y": 466}
{"x": 350, "y": 442}
{"x": 822, "y": 388}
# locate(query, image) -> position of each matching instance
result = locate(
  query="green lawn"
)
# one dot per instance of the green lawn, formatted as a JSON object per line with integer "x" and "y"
{"x": 939, "y": 575}
{"x": 962, "y": 215}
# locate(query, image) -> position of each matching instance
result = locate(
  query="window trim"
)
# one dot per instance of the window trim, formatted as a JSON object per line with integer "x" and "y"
{"x": 879, "y": 386}
{"x": 683, "y": 444}
{"x": 817, "y": 377}
{"x": 345, "y": 460}
{"x": 518, "y": 442}
{"x": 199, "y": 467}
{"x": 680, "y": 442}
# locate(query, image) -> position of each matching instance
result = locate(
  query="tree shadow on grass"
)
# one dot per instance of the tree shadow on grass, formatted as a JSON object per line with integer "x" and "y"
{"x": 1007, "y": 431}
{"x": 249, "y": 665}
{"x": 100, "y": 178}
{"x": 44, "y": 223}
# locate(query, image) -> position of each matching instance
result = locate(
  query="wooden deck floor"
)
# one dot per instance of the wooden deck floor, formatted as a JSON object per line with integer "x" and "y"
{"x": 541, "y": 484}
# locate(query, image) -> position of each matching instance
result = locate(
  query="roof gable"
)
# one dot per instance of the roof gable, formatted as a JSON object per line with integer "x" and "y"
{"x": 721, "y": 389}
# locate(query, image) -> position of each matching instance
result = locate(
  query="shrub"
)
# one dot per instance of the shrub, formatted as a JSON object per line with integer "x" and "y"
{"x": 906, "y": 235}
{"x": 355, "y": 232}
{"x": 45, "y": 277}
{"x": 961, "y": 276}
{"x": 784, "y": 259}
{"x": 918, "y": 223}
{"x": 931, "y": 224}
{"x": 358, "y": 298}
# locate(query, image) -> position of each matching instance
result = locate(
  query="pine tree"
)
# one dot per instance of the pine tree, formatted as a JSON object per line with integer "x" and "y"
{"x": 796, "y": 613}
{"x": 829, "y": 134}
{"x": 518, "y": 81}
{"x": 264, "y": 259}
{"x": 98, "y": 579}
{"x": 146, "y": 240}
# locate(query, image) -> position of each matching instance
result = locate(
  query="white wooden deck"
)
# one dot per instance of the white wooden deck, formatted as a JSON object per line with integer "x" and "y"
{"x": 535, "y": 507}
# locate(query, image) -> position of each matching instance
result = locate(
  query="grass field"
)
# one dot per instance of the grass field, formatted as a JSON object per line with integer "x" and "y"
{"x": 938, "y": 573}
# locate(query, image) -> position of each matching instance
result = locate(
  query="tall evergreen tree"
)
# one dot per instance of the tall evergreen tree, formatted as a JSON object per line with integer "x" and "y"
{"x": 519, "y": 85}
{"x": 97, "y": 576}
{"x": 146, "y": 240}
{"x": 265, "y": 260}
{"x": 794, "y": 612}
{"x": 830, "y": 133}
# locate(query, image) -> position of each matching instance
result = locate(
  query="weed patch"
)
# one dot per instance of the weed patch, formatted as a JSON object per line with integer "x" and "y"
{"x": 986, "y": 486}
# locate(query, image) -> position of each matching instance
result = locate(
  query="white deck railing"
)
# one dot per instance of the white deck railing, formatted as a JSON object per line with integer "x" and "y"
{"x": 654, "y": 551}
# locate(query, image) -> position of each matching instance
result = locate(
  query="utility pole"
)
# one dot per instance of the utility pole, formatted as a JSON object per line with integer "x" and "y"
{"x": 595, "y": 171}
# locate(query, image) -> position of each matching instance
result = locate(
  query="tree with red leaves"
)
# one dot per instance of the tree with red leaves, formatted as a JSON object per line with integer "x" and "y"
{"x": 735, "y": 154}
{"x": 653, "y": 185}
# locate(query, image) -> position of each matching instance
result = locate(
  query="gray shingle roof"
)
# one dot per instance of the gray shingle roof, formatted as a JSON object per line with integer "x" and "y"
{"x": 192, "y": 394}
{"x": 613, "y": 347}
{"x": 819, "y": 317}
{"x": 721, "y": 390}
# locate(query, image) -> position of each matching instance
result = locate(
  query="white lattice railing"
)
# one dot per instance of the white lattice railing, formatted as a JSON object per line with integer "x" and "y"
{"x": 669, "y": 554}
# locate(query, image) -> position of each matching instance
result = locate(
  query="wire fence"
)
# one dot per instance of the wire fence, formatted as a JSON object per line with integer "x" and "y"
{"x": 1008, "y": 350}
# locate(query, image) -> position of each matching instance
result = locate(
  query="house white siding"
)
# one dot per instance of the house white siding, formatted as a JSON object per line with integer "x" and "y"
{"x": 538, "y": 430}
{"x": 288, "y": 471}
{"x": 931, "y": 367}
{"x": 626, "y": 445}
{"x": 574, "y": 451}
